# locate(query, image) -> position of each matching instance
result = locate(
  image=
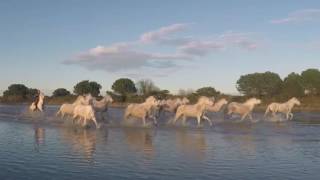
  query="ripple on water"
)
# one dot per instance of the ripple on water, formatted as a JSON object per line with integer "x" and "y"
{"x": 41, "y": 146}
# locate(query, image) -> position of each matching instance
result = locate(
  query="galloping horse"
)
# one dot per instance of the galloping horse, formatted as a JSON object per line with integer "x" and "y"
{"x": 38, "y": 104}
{"x": 67, "y": 108}
{"x": 244, "y": 109}
{"x": 102, "y": 105}
{"x": 217, "y": 106}
{"x": 197, "y": 110}
{"x": 142, "y": 110}
{"x": 283, "y": 107}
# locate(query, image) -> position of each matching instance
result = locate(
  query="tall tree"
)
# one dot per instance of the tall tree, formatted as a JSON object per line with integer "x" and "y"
{"x": 16, "y": 90}
{"x": 85, "y": 87}
{"x": 259, "y": 84}
{"x": 292, "y": 86}
{"x": 207, "y": 91}
{"x": 311, "y": 80}
{"x": 146, "y": 87}
{"x": 60, "y": 92}
{"x": 124, "y": 86}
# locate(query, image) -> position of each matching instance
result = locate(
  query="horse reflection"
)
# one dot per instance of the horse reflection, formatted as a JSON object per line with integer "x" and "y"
{"x": 191, "y": 143}
{"x": 140, "y": 140}
{"x": 243, "y": 136}
{"x": 83, "y": 141}
{"x": 39, "y": 137}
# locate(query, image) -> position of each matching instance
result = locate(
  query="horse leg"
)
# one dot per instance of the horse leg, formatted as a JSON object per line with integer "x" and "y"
{"x": 84, "y": 121}
{"x": 155, "y": 120}
{"x": 291, "y": 116}
{"x": 95, "y": 122}
{"x": 144, "y": 120}
{"x": 184, "y": 118}
{"x": 243, "y": 117}
{"x": 199, "y": 120}
{"x": 74, "y": 117}
{"x": 287, "y": 115}
{"x": 206, "y": 118}
{"x": 176, "y": 118}
{"x": 58, "y": 113}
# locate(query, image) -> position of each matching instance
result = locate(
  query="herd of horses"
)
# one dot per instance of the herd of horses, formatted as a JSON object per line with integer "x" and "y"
{"x": 86, "y": 107}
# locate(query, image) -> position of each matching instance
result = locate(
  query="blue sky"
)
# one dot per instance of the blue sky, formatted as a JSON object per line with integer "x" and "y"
{"x": 178, "y": 44}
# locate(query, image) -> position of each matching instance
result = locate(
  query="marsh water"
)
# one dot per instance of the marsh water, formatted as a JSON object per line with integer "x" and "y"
{"x": 41, "y": 146}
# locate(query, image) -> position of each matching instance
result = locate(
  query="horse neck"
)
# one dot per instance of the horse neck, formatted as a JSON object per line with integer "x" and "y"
{"x": 250, "y": 105}
{"x": 40, "y": 100}
{"x": 147, "y": 105}
{"x": 290, "y": 104}
{"x": 218, "y": 105}
{"x": 201, "y": 106}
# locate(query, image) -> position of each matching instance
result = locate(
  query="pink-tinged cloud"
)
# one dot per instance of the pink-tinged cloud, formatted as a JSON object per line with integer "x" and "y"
{"x": 305, "y": 15}
{"x": 201, "y": 48}
{"x": 130, "y": 57}
{"x": 162, "y": 33}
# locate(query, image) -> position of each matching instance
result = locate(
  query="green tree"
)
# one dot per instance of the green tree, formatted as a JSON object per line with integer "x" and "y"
{"x": 311, "y": 80}
{"x": 207, "y": 91}
{"x": 260, "y": 84}
{"x": 160, "y": 94}
{"x": 32, "y": 93}
{"x": 292, "y": 86}
{"x": 124, "y": 86}
{"x": 16, "y": 90}
{"x": 146, "y": 87}
{"x": 85, "y": 87}
{"x": 60, "y": 92}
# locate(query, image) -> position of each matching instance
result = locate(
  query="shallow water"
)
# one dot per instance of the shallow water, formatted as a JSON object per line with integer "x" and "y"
{"x": 41, "y": 146}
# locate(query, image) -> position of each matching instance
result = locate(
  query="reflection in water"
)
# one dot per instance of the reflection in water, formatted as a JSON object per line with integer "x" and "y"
{"x": 140, "y": 140}
{"x": 83, "y": 141}
{"x": 241, "y": 136}
{"x": 191, "y": 143}
{"x": 39, "y": 137}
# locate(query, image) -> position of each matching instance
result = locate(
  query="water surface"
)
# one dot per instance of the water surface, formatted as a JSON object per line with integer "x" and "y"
{"x": 41, "y": 146}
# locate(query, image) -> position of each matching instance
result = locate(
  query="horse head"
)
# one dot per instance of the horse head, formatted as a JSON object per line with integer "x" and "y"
{"x": 295, "y": 101}
{"x": 185, "y": 101}
{"x": 222, "y": 101}
{"x": 253, "y": 101}
{"x": 108, "y": 99}
{"x": 205, "y": 101}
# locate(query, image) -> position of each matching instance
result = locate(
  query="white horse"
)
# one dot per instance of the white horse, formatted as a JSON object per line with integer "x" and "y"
{"x": 38, "y": 104}
{"x": 217, "y": 106}
{"x": 142, "y": 110}
{"x": 244, "y": 109}
{"x": 67, "y": 109}
{"x": 283, "y": 108}
{"x": 197, "y": 110}
{"x": 102, "y": 105}
{"x": 85, "y": 112}
{"x": 171, "y": 105}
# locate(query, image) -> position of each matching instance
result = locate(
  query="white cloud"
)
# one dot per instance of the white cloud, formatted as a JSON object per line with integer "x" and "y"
{"x": 201, "y": 48}
{"x": 300, "y": 16}
{"x": 222, "y": 42}
{"x": 162, "y": 33}
{"x": 131, "y": 57}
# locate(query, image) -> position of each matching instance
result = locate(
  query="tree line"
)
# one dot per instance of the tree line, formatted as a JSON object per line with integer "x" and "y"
{"x": 269, "y": 84}
{"x": 262, "y": 85}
